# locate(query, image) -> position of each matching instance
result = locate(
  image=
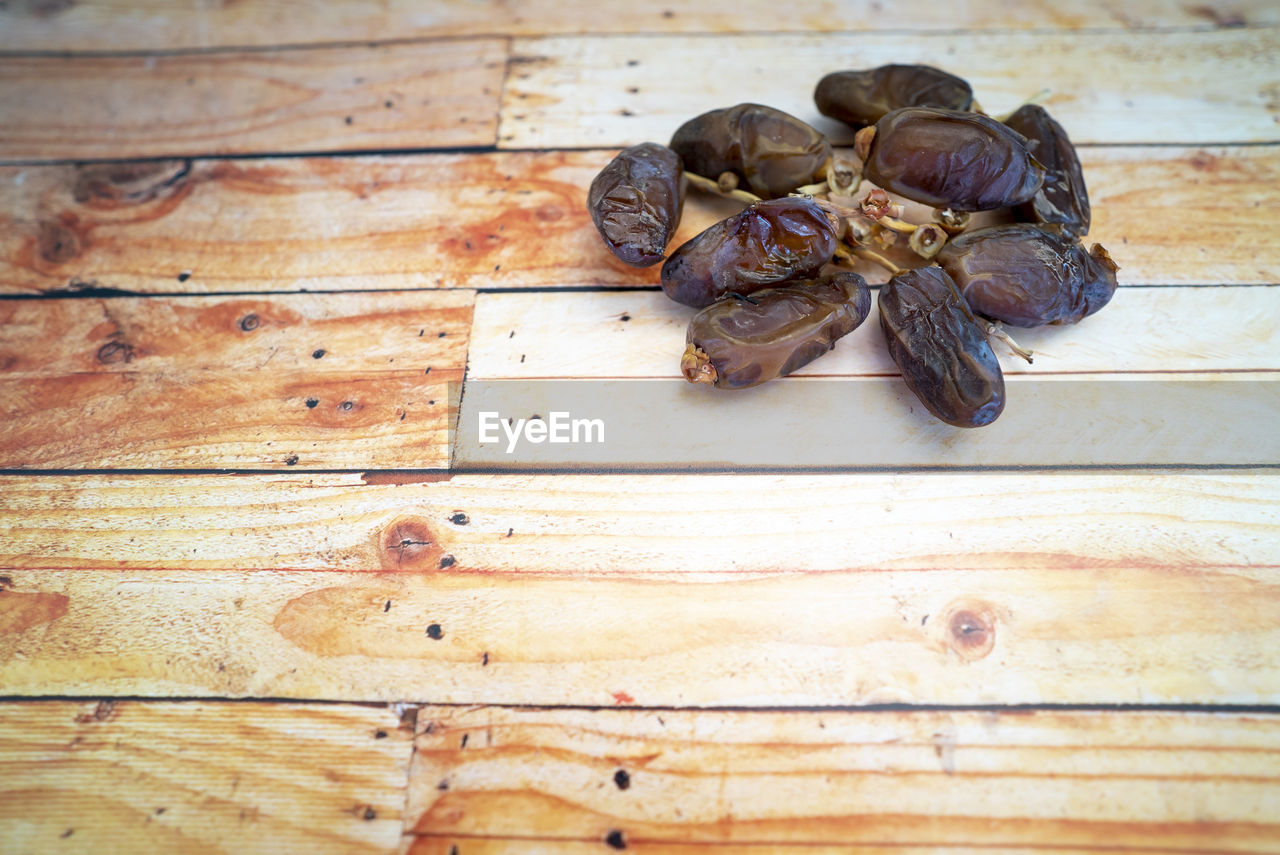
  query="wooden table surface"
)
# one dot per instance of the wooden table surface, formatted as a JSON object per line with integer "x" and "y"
{"x": 249, "y": 251}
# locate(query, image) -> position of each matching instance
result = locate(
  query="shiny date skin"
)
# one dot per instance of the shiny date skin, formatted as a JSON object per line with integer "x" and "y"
{"x": 949, "y": 159}
{"x": 636, "y": 202}
{"x": 740, "y": 342}
{"x": 1063, "y": 201}
{"x": 765, "y": 243}
{"x": 861, "y": 98}
{"x": 1025, "y": 276}
{"x": 941, "y": 348}
{"x": 771, "y": 151}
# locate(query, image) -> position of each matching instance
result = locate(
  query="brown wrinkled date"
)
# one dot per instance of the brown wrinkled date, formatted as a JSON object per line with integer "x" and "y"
{"x": 636, "y": 202}
{"x": 860, "y": 98}
{"x": 1025, "y": 276}
{"x": 950, "y": 159}
{"x": 769, "y": 242}
{"x": 741, "y": 342}
{"x": 1063, "y": 200}
{"x": 772, "y": 151}
{"x": 941, "y": 348}
{"x": 772, "y": 281}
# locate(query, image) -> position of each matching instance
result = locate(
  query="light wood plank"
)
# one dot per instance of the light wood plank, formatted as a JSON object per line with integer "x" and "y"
{"x": 884, "y": 781}
{"x": 667, "y": 590}
{"x": 327, "y": 381}
{"x": 642, "y": 334}
{"x": 850, "y": 423}
{"x": 519, "y": 220}
{"x": 621, "y": 90}
{"x": 131, "y": 776}
{"x": 472, "y": 845}
{"x": 432, "y": 94}
{"x": 116, "y": 25}
{"x": 1146, "y": 381}
{"x": 1127, "y": 633}
{"x": 684, "y": 526}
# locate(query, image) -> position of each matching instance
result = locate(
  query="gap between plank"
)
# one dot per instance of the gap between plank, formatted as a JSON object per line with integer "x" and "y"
{"x": 98, "y": 292}
{"x": 414, "y": 475}
{"x": 603, "y": 34}
{"x": 500, "y": 149}
{"x": 1233, "y": 709}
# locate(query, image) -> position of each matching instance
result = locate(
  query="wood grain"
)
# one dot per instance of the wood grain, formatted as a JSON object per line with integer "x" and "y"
{"x": 993, "y": 589}
{"x": 699, "y": 527}
{"x": 622, "y": 90}
{"x": 59, "y": 25}
{"x": 1139, "y": 782}
{"x": 130, "y": 776}
{"x": 1126, "y": 633}
{"x": 318, "y": 381}
{"x": 433, "y": 94}
{"x": 472, "y": 845}
{"x": 519, "y": 220}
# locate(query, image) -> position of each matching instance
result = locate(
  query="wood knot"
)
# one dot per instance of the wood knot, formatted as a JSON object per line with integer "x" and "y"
{"x": 409, "y": 544}
{"x": 115, "y": 352}
{"x": 115, "y": 185}
{"x": 970, "y": 629}
{"x": 57, "y": 243}
{"x": 104, "y": 711}
{"x": 549, "y": 213}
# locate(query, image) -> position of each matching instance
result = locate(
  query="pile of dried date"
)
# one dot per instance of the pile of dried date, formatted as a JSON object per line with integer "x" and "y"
{"x": 768, "y": 282}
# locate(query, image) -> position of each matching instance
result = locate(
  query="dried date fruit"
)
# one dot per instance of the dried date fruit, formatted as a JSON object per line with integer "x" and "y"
{"x": 636, "y": 202}
{"x": 949, "y": 159}
{"x": 941, "y": 348}
{"x": 1025, "y": 276}
{"x": 860, "y": 98}
{"x": 772, "y": 151}
{"x": 736, "y": 343}
{"x": 766, "y": 243}
{"x": 1063, "y": 201}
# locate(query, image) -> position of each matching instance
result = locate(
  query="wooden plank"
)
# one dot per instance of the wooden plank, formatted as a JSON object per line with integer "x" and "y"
{"x": 615, "y": 91}
{"x": 671, "y": 590}
{"x": 859, "y": 423}
{"x": 519, "y": 220}
{"x": 132, "y": 776}
{"x": 1133, "y": 782}
{"x": 931, "y": 635}
{"x": 642, "y": 334}
{"x": 319, "y": 381}
{"x": 440, "y": 93}
{"x": 703, "y": 527}
{"x": 472, "y": 845}
{"x": 1142, "y": 382}
{"x": 113, "y": 25}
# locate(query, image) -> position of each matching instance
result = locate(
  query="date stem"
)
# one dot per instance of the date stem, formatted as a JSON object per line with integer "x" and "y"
{"x": 819, "y": 189}
{"x": 994, "y": 329}
{"x": 847, "y": 256}
{"x": 1034, "y": 98}
{"x": 714, "y": 187}
{"x": 900, "y": 226}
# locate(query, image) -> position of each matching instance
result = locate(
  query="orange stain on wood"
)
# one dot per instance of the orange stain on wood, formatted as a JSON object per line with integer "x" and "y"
{"x": 20, "y": 610}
